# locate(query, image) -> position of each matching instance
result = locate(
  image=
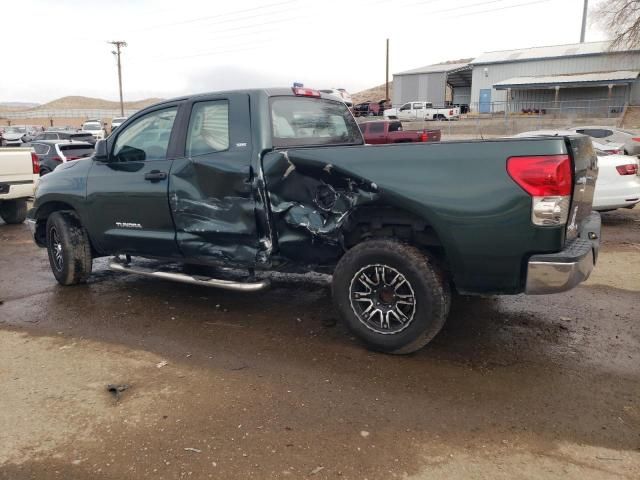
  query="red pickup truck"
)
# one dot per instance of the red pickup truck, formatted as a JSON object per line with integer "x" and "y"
{"x": 390, "y": 131}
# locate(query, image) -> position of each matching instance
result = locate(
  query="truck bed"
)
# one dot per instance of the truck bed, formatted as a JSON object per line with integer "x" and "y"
{"x": 461, "y": 189}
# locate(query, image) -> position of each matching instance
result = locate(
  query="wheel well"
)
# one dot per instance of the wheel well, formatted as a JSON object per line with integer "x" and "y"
{"x": 374, "y": 221}
{"x": 381, "y": 221}
{"x": 44, "y": 211}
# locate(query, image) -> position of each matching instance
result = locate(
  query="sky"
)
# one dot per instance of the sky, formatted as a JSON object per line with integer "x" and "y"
{"x": 177, "y": 47}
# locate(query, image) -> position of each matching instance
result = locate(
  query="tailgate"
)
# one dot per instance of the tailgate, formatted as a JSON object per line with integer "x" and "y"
{"x": 586, "y": 171}
{"x": 15, "y": 165}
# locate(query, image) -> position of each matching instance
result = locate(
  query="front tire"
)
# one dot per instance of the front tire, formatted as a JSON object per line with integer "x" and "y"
{"x": 13, "y": 211}
{"x": 68, "y": 248}
{"x": 391, "y": 295}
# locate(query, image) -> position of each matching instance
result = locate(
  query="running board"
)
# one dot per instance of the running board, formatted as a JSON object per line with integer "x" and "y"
{"x": 184, "y": 278}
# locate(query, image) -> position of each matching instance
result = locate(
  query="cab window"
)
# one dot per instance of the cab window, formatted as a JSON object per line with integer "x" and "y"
{"x": 406, "y": 106}
{"x": 377, "y": 127}
{"x": 417, "y": 106}
{"x": 147, "y": 138}
{"x": 208, "y": 128}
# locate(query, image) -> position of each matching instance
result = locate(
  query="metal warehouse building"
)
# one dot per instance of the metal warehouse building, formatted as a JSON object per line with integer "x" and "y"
{"x": 438, "y": 84}
{"x": 582, "y": 76}
{"x": 578, "y": 78}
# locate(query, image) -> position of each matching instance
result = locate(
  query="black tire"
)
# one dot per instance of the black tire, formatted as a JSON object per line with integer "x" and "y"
{"x": 14, "y": 211}
{"x": 426, "y": 287}
{"x": 68, "y": 248}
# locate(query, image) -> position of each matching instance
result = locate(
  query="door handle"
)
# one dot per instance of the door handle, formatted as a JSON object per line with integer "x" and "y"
{"x": 155, "y": 175}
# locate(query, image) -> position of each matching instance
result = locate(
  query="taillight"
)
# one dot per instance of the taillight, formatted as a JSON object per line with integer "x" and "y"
{"x": 56, "y": 159}
{"x": 35, "y": 163}
{"x": 616, "y": 151}
{"x": 306, "y": 92}
{"x": 423, "y": 137}
{"x": 450, "y": 112}
{"x": 548, "y": 180}
{"x": 636, "y": 139}
{"x": 629, "y": 169}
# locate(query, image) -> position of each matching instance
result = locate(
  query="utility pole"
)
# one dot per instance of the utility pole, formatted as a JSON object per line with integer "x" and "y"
{"x": 119, "y": 44}
{"x": 584, "y": 20}
{"x": 386, "y": 85}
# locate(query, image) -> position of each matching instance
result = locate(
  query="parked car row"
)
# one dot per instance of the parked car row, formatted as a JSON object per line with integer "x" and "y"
{"x": 91, "y": 131}
{"x": 16, "y": 135}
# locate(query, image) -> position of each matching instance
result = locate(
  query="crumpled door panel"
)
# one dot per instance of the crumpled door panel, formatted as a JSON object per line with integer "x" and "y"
{"x": 310, "y": 200}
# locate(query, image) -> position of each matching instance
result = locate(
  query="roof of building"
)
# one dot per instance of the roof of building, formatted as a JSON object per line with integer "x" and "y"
{"x": 436, "y": 68}
{"x": 580, "y": 79}
{"x": 553, "y": 51}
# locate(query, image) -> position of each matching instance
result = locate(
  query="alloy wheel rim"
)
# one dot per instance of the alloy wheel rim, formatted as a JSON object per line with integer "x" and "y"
{"x": 382, "y": 299}
{"x": 56, "y": 249}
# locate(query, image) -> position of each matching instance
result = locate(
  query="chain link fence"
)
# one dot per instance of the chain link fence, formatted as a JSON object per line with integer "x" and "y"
{"x": 494, "y": 119}
{"x": 81, "y": 113}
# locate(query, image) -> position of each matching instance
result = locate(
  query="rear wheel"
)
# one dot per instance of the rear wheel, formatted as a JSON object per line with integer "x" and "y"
{"x": 392, "y": 296}
{"x": 14, "y": 211}
{"x": 68, "y": 248}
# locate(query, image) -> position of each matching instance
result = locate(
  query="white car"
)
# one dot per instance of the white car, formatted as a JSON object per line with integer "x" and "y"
{"x": 422, "y": 111}
{"x": 116, "y": 122}
{"x": 618, "y": 183}
{"x": 341, "y": 93}
{"x": 94, "y": 127}
{"x": 14, "y": 136}
{"x": 626, "y": 141}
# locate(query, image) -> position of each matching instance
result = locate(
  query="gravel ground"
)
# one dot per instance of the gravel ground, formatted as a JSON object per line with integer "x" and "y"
{"x": 225, "y": 385}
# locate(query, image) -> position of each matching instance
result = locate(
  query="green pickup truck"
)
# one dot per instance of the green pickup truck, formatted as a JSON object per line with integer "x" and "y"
{"x": 281, "y": 180}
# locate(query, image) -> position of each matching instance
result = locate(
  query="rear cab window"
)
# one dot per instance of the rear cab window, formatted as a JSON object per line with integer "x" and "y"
{"x": 208, "y": 128}
{"x": 306, "y": 122}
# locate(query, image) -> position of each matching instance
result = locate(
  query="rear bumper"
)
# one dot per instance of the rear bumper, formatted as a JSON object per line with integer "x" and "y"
{"x": 21, "y": 189}
{"x": 561, "y": 271}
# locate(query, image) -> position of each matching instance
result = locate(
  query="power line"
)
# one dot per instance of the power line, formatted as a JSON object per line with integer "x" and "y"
{"x": 220, "y": 15}
{"x": 497, "y": 9}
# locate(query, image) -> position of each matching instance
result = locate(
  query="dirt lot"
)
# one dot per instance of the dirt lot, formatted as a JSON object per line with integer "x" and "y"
{"x": 224, "y": 385}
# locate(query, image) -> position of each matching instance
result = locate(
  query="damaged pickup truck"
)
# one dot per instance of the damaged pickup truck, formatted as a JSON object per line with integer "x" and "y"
{"x": 280, "y": 180}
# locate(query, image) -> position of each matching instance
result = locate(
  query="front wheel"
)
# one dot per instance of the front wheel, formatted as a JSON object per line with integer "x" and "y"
{"x": 13, "y": 211}
{"x": 392, "y": 296}
{"x": 68, "y": 248}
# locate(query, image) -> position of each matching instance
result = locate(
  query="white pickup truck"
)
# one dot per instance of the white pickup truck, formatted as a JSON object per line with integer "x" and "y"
{"x": 19, "y": 174}
{"x": 422, "y": 111}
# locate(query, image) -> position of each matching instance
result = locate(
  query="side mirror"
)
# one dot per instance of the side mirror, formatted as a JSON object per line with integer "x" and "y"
{"x": 101, "y": 154}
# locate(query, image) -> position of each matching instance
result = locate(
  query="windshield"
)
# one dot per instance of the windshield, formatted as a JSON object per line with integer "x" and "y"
{"x": 91, "y": 126}
{"x": 304, "y": 121}
{"x": 118, "y": 120}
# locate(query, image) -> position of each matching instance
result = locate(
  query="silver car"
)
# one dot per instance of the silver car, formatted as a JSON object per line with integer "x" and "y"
{"x": 628, "y": 139}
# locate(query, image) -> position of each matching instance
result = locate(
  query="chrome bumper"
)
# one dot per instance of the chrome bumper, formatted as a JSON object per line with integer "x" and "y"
{"x": 559, "y": 272}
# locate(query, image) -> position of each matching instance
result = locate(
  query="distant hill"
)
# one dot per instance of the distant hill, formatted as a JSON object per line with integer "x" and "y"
{"x": 95, "y": 103}
{"x": 374, "y": 94}
{"x": 17, "y": 105}
{"x": 76, "y": 102}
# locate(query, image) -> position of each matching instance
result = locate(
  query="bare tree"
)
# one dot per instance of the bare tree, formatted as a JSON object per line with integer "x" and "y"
{"x": 620, "y": 19}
